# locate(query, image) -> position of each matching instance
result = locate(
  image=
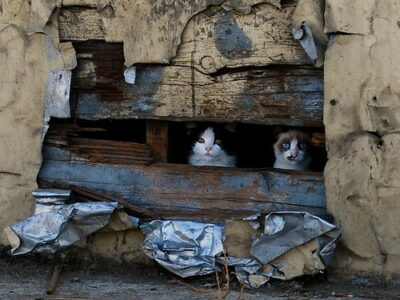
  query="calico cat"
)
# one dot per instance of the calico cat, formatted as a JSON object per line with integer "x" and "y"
{"x": 207, "y": 151}
{"x": 292, "y": 150}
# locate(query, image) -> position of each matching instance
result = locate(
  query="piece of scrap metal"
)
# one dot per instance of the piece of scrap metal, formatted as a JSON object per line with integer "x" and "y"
{"x": 56, "y": 229}
{"x": 292, "y": 244}
{"x": 50, "y": 199}
{"x": 305, "y": 36}
{"x": 185, "y": 248}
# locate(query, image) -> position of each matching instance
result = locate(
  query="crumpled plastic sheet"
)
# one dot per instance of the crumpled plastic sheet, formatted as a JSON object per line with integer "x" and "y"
{"x": 185, "y": 248}
{"x": 50, "y": 231}
{"x": 293, "y": 244}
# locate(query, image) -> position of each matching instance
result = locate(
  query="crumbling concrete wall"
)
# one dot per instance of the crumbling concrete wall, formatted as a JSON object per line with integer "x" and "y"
{"x": 362, "y": 120}
{"x": 33, "y": 62}
{"x": 22, "y": 84}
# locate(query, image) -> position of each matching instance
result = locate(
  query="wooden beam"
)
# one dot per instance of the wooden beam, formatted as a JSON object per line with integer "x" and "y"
{"x": 157, "y": 139}
{"x": 282, "y": 95}
{"x": 217, "y": 39}
{"x": 182, "y": 191}
{"x": 211, "y": 40}
{"x": 97, "y": 150}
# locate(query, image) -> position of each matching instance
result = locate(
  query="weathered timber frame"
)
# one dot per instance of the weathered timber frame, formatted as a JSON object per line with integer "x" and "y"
{"x": 202, "y": 83}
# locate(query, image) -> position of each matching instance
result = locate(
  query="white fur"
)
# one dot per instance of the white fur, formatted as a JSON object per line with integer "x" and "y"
{"x": 300, "y": 159}
{"x": 210, "y": 154}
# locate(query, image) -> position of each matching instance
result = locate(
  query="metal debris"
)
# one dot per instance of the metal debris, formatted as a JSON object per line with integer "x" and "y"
{"x": 185, "y": 248}
{"x": 130, "y": 75}
{"x": 304, "y": 35}
{"x": 50, "y": 199}
{"x": 50, "y": 231}
{"x": 293, "y": 244}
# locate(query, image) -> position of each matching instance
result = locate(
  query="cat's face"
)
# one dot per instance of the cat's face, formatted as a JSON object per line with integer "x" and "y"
{"x": 292, "y": 147}
{"x": 207, "y": 145}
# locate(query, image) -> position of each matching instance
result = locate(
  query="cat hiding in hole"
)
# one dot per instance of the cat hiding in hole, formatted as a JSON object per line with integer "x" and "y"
{"x": 292, "y": 150}
{"x": 208, "y": 150}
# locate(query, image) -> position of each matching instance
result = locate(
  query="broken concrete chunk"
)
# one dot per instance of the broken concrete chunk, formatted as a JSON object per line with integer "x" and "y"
{"x": 68, "y": 55}
{"x": 41, "y": 10}
{"x": 239, "y": 238}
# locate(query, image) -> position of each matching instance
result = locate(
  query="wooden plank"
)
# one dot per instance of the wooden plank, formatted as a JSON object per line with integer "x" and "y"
{"x": 157, "y": 139}
{"x": 183, "y": 191}
{"x": 96, "y": 150}
{"x": 273, "y": 96}
{"x": 211, "y": 40}
{"x": 80, "y": 24}
{"x": 217, "y": 39}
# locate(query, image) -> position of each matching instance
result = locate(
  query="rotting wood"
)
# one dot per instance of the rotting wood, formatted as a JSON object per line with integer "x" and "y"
{"x": 182, "y": 191}
{"x": 97, "y": 150}
{"x": 157, "y": 139}
{"x": 272, "y": 96}
{"x": 211, "y": 40}
{"x": 216, "y": 39}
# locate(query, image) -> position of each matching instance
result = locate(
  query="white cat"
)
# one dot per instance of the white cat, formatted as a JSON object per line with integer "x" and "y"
{"x": 292, "y": 150}
{"x": 207, "y": 151}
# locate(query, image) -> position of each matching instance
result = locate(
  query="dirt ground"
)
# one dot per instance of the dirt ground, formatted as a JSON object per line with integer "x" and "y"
{"x": 29, "y": 277}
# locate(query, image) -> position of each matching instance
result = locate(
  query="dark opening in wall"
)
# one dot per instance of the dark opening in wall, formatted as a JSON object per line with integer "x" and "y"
{"x": 251, "y": 144}
{"x": 129, "y": 142}
{"x": 115, "y": 130}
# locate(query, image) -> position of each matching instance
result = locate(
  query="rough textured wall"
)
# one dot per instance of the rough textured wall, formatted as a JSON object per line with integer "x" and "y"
{"x": 362, "y": 119}
{"x": 22, "y": 85}
{"x": 30, "y": 56}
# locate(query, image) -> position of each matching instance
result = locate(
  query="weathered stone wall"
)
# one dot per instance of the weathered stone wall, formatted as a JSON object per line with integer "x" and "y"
{"x": 362, "y": 120}
{"x": 362, "y": 114}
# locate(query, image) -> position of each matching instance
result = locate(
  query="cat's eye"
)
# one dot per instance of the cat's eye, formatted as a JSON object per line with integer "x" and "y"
{"x": 201, "y": 140}
{"x": 302, "y": 146}
{"x": 285, "y": 146}
{"x": 218, "y": 142}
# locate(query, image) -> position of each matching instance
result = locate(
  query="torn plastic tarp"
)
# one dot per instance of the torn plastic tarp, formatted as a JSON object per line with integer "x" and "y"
{"x": 292, "y": 244}
{"x": 185, "y": 248}
{"x": 50, "y": 231}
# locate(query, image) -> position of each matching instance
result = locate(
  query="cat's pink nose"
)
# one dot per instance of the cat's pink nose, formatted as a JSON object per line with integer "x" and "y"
{"x": 294, "y": 154}
{"x": 208, "y": 149}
